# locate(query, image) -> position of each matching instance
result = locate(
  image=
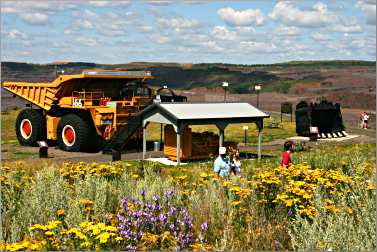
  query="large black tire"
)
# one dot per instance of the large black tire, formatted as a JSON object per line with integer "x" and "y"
{"x": 84, "y": 136}
{"x": 30, "y": 127}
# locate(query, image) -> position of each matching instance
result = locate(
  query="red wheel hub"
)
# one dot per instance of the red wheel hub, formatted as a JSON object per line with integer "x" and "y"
{"x": 26, "y": 128}
{"x": 69, "y": 135}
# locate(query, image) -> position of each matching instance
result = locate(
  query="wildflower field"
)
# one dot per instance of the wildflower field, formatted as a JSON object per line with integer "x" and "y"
{"x": 325, "y": 201}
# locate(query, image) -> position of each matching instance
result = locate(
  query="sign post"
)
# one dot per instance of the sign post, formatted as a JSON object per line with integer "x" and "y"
{"x": 245, "y": 128}
{"x": 286, "y": 108}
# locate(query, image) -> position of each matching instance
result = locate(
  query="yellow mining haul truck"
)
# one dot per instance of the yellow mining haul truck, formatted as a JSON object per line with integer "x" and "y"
{"x": 80, "y": 111}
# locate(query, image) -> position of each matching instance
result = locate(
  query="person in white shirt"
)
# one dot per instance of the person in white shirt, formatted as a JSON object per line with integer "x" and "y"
{"x": 366, "y": 118}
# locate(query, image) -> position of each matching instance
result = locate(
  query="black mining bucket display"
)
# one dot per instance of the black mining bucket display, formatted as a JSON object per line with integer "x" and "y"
{"x": 320, "y": 120}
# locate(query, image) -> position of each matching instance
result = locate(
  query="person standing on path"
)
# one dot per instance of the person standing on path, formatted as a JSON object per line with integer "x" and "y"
{"x": 366, "y": 118}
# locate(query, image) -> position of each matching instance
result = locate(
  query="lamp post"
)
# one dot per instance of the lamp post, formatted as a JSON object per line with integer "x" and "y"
{"x": 225, "y": 85}
{"x": 245, "y": 128}
{"x": 257, "y": 88}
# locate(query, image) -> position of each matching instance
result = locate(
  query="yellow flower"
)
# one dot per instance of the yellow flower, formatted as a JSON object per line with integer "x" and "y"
{"x": 236, "y": 203}
{"x": 201, "y": 247}
{"x": 49, "y": 233}
{"x": 203, "y": 175}
{"x": 96, "y": 231}
{"x": 235, "y": 189}
{"x": 60, "y": 212}
{"x": 37, "y": 226}
{"x": 182, "y": 178}
{"x": 104, "y": 237}
{"x": 371, "y": 186}
{"x": 86, "y": 202}
{"x": 227, "y": 183}
{"x": 135, "y": 176}
{"x": 152, "y": 238}
{"x": 289, "y": 202}
{"x": 131, "y": 206}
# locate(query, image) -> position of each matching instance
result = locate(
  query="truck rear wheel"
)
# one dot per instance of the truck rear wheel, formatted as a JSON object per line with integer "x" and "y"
{"x": 30, "y": 127}
{"x": 74, "y": 133}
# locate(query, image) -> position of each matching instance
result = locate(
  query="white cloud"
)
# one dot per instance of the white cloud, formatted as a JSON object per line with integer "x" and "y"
{"x": 87, "y": 41}
{"x": 288, "y": 14}
{"x": 16, "y": 34}
{"x": 109, "y": 3}
{"x": 82, "y": 23}
{"x": 162, "y": 39}
{"x": 177, "y": 24}
{"x": 159, "y": 2}
{"x": 184, "y": 49}
{"x": 245, "y": 30}
{"x": 212, "y": 46}
{"x": 146, "y": 28}
{"x": 258, "y": 47}
{"x": 320, "y": 37}
{"x": 222, "y": 33}
{"x": 116, "y": 23}
{"x": 46, "y": 7}
{"x": 35, "y": 18}
{"x": 248, "y": 17}
{"x": 287, "y": 31}
{"x": 99, "y": 3}
{"x": 89, "y": 14}
{"x": 344, "y": 28}
{"x": 68, "y": 31}
{"x": 107, "y": 23}
{"x": 369, "y": 9}
{"x": 36, "y": 12}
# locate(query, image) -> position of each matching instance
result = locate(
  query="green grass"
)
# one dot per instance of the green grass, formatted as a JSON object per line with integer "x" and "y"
{"x": 8, "y": 132}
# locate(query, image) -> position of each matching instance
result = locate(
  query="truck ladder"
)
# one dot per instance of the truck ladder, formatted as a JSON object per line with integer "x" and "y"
{"x": 124, "y": 134}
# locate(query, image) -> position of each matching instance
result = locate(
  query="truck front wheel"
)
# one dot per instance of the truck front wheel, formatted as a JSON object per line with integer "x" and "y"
{"x": 75, "y": 134}
{"x": 30, "y": 127}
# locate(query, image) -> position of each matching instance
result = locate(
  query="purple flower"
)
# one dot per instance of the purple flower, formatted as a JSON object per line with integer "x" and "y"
{"x": 290, "y": 212}
{"x": 162, "y": 218}
{"x": 124, "y": 203}
{"x": 152, "y": 217}
{"x": 155, "y": 198}
{"x": 204, "y": 226}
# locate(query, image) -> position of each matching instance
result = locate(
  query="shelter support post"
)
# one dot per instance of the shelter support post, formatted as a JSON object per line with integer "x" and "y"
{"x": 259, "y": 144}
{"x": 221, "y": 126}
{"x": 145, "y": 124}
{"x": 161, "y": 126}
{"x": 260, "y": 128}
{"x": 178, "y": 148}
{"x": 221, "y": 139}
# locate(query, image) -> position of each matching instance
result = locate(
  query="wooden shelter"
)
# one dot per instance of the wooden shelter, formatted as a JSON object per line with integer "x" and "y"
{"x": 180, "y": 115}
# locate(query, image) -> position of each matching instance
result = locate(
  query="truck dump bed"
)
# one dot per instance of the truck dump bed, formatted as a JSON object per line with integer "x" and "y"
{"x": 45, "y": 95}
{"x": 40, "y": 94}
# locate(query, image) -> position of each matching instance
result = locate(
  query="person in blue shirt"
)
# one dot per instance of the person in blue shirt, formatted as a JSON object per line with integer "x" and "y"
{"x": 222, "y": 166}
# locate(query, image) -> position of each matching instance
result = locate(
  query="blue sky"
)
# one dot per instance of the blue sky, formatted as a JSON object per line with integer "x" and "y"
{"x": 240, "y": 32}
